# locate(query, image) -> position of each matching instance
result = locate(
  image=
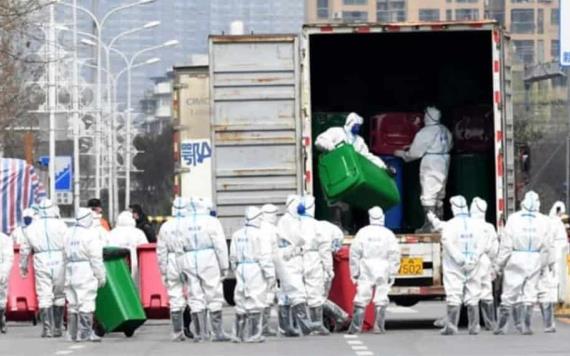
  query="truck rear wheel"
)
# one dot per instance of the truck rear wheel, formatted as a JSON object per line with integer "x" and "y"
{"x": 405, "y": 301}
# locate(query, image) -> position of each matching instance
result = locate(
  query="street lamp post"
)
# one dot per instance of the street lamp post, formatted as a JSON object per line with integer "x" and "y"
{"x": 98, "y": 97}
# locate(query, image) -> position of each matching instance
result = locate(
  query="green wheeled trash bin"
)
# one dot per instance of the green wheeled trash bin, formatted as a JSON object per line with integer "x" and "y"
{"x": 118, "y": 306}
{"x": 350, "y": 177}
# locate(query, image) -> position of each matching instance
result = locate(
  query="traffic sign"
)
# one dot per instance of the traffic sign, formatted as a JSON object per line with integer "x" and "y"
{"x": 63, "y": 174}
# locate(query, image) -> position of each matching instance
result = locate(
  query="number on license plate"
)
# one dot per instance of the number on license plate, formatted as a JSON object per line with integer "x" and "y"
{"x": 411, "y": 266}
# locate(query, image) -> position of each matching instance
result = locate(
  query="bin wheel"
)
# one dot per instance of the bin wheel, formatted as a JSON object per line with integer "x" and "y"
{"x": 98, "y": 329}
{"x": 129, "y": 333}
{"x": 229, "y": 287}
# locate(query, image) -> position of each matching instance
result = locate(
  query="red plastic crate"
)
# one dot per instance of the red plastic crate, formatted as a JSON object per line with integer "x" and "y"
{"x": 393, "y": 131}
{"x": 154, "y": 296}
{"x": 473, "y": 129}
{"x": 22, "y": 302}
{"x": 343, "y": 290}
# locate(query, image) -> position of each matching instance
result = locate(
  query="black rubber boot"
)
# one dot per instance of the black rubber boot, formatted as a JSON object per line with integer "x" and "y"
{"x": 72, "y": 326}
{"x": 58, "y": 321}
{"x": 286, "y": 322}
{"x": 218, "y": 332}
{"x": 488, "y": 312}
{"x": 340, "y": 317}
{"x": 526, "y": 319}
{"x": 46, "y": 317}
{"x": 357, "y": 320}
{"x": 267, "y": 331}
{"x": 302, "y": 318}
{"x": 473, "y": 319}
{"x": 547, "y": 310}
{"x": 317, "y": 319}
{"x": 451, "y": 327}
{"x": 380, "y": 320}
{"x": 3, "y": 321}
{"x": 503, "y": 322}
{"x": 176, "y": 318}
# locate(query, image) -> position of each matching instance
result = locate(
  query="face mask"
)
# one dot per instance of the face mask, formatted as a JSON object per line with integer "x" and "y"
{"x": 355, "y": 130}
{"x": 301, "y": 209}
{"x": 28, "y": 220}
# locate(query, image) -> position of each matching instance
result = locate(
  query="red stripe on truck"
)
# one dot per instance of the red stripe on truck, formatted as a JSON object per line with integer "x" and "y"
{"x": 362, "y": 29}
{"x": 500, "y": 164}
{"x": 499, "y": 135}
{"x": 308, "y": 176}
{"x": 392, "y": 28}
{"x": 497, "y": 97}
{"x": 496, "y": 37}
{"x": 326, "y": 29}
{"x": 501, "y": 205}
{"x": 496, "y": 66}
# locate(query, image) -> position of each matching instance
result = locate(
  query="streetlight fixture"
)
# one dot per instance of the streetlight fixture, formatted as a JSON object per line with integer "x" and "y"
{"x": 99, "y": 23}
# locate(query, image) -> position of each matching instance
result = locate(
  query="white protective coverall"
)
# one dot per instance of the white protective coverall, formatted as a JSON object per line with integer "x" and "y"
{"x": 335, "y": 236}
{"x": 45, "y": 240}
{"x": 291, "y": 245}
{"x": 463, "y": 241}
{"x": 549, "y": 291}
{"x": 255, "y": 272}
{"x": 317, "y": 261}
{"x": 331, "y": 138}
{"x": 432, "y": 144}
{"x": 170, "y": 239}
{"x": 270, "y": 245}
{"x": 126, "y": 235}
{"x": 203, "y": 257}
{"x": 19, "y": 232}
{"x": 374, "y": 264}
{"x": 6, "y": 259}
{"x": 523, "y": 252}
{"x": 84, "y": 275}
{"x": 488, "y": 260}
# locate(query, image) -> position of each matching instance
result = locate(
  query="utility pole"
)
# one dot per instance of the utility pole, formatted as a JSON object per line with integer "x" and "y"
{"x": 52, "y": 99}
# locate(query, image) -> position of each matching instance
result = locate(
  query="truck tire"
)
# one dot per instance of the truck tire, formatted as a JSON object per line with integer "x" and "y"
{"x": 229, "y": 287}
{"x": 404, "y": 301}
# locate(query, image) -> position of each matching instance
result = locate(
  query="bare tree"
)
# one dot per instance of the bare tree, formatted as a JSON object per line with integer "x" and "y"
{"x": 17, "y": 66}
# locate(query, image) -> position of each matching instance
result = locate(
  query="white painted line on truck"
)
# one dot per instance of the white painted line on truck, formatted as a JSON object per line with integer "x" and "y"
{"x": 401, "y": 310}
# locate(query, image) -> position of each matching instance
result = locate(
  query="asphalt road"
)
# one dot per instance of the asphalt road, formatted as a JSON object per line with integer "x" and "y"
{"x": 410, "y": 332}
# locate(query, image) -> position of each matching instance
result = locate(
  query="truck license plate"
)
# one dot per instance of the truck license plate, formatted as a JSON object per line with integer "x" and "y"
{"x": 411, "y": 266}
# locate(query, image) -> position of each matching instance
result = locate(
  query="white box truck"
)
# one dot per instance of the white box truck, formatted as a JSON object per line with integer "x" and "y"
{"x": 265, "y": 90}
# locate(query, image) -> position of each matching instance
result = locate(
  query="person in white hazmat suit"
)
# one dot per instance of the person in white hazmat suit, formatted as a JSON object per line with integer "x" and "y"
{"x": 6, "y": 259}
{"x": 374, "y": 264}
{"x": 463, "y": 242}
{"x": 170, "y": 239}
{"x": 126, "y": 235}
{"x": 350, "y": 134}
{"x": 293, "y": 294}
{"x": 549, "y": 280}
{"x": 487, "y": 261}
{"x": 19, "y": 233}
{"x": 84, "y": 275}
{"x": 330, "y": 309}
{"x": 270, "y": 245}
{"x": 432, "y": 145}
{"x": 523, "y": 253}
{"x": 45, "y": 240}
{"x": 317, "y": 262}
{"x": 203, "y": 257}
{"x": 255, "y": 272}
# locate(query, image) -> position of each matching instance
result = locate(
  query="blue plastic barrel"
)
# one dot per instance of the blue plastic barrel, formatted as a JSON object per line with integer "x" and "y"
{"x": 395, "y": 216}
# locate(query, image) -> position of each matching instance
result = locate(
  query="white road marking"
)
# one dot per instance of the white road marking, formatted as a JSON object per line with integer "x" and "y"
{"x": 76, "y": 347}
{"x": 360, "y": 348}
{"x": 63, "y": 352}
{"x": 364, "y": 353}
{"x": 401, "y": 310}
{"x": 354, "y": 342}
{"x": 347, "y": 336}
